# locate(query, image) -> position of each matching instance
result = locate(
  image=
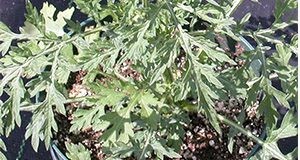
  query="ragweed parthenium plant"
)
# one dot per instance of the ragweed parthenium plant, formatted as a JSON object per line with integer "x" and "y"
{"x": 143, "y": 113}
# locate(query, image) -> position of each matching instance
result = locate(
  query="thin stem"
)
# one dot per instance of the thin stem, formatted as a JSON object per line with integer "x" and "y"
{"x": 241, "y": 129}
{"x": 95, "y": 30}
{"x": 145, "y": 3}
{"x": 250, "y": 135}
{"x": 170, "y": 8}
{"x": 146, "y": 144}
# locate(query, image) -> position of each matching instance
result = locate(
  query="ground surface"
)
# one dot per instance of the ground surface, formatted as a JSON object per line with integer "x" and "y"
{"x": 12, "y": 14}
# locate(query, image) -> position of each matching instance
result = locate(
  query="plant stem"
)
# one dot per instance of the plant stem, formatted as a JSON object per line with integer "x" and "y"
{"x": 170, "y": 8}
{"x": 145, "y": 3}
{"x": 146, "y": 145}
{"x": 95, "y": 30}
{"x": 241, "y": 129}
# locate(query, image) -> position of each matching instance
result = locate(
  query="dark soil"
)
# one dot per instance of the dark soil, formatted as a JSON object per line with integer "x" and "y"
{"x": 201, "y": 141}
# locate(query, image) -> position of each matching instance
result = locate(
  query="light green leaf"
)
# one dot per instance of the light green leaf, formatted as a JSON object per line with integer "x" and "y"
{"x": 121, "y": 125}
{"x": 77, "y": 152}
{"x": 219, "y": 56}
{"x": 287, "y": 128}
{"x": 55, "y": 26}
{"x": 210, "y": 75}
{"x": 84, "y": 118}
{"x": 36, "y": 85}
{"x": 2, "y": 145}
{"x": 267, "y": 108}
{"x": 41, "y": 125}
{"x": 245, "y": 18}
{"x": 159, "y": 148}
{"x": 107, "y": 95}
{"x": 213, "y": 2}
{"x": 270, "y": 148}
{"x": 158, "y": 74}
{"x": 6, "y": 37}
{"x": 283, "y": 55}
{"x": 2, "y": 156}
{"x": 150, "y": 115}
{"x": 269, "y": 89}
{"x": 30, "y": 30}
{"x": 18, "y": 92}
{"x": 58, "y": 99}
{"x": 4, "y": 46}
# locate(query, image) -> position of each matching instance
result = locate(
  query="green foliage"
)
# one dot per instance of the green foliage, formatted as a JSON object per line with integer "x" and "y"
{"x": 3, "y": 147}
{"x": 142, "y": 114}
{"x": 287, "y": 129}
{"x": 77, "y": 152}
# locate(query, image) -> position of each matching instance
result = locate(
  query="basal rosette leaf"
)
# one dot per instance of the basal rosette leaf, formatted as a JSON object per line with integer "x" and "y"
{"x": 104, "y": 96}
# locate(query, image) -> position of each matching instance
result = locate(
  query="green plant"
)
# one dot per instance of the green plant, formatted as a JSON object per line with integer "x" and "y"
{"x": 147, "y": 109}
